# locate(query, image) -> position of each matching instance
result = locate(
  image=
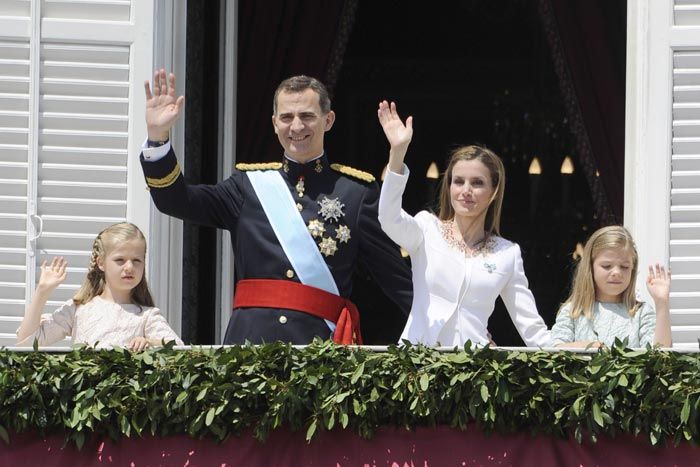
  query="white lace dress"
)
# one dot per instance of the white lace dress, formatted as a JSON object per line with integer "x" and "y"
{"x": 102, "y": 324}
{"x": 610, "y": 320}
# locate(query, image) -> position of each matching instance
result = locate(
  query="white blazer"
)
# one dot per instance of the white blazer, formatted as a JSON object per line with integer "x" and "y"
{"x": 454, "y": 295}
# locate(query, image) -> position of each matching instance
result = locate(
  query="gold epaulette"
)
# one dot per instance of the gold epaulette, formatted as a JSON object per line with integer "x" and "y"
{"x": 165, "y": 181}
{"x": 353, "y": 172}
{"x": 259, "y": 166}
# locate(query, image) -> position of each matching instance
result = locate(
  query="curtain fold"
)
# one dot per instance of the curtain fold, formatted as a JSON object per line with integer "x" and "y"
{"x": 582, "y": 36}
{"x": 276, "y": 40}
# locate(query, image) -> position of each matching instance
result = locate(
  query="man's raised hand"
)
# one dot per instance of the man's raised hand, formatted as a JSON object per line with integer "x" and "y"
{"x": 162, "y": 106}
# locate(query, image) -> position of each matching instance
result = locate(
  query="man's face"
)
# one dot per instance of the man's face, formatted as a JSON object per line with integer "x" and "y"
{"x": 300, "y": 124}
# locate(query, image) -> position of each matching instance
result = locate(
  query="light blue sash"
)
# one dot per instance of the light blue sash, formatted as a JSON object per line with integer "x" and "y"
{"x": 289, "y": 227}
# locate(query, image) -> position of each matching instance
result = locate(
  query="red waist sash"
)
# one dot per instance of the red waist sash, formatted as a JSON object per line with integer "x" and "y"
{"x": 272, "y": 293}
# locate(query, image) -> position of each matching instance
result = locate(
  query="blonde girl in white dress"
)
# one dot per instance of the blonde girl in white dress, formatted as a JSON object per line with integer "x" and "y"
{"x": 113, "y": 308}
{"x": 460, "y": 264}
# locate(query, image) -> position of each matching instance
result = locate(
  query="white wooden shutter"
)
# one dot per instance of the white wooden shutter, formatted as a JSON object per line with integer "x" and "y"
{"x": 662, "y": 150}
{"x": 67, "y": 97}
{"x": 14, "y": 161}
{"x": 684, "y": 237}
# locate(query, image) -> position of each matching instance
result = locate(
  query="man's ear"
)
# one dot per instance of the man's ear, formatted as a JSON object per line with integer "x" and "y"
{"x": 330, "y": 119}
{"x": 274, "y": 124}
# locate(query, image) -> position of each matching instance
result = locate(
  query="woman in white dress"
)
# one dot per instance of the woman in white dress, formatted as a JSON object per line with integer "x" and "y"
{"x": 460, "y": 263}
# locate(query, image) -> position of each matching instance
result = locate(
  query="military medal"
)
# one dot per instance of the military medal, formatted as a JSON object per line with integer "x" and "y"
{"x": 331, "y": 209}
{"x": 328, "y": 246}
{"x": 342, "y": 233}
{"x": 300, "y": 186}
{"x": 316, "y": 228}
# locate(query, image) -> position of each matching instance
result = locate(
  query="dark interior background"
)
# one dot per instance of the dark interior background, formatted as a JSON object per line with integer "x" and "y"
{"x": 469, "y": 71}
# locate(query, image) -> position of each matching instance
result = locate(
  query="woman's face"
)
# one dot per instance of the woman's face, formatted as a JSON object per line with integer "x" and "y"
{"x": 471, "y": 188}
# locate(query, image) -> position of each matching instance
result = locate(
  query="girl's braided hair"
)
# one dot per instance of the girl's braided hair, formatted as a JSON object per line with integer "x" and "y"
{"x": 105, "y": 241}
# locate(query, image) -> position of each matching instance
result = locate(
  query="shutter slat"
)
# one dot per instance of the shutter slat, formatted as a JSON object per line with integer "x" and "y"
{"x": 686, "y": 14}
{"x": 13, "y": 188}
{"x": 15, "y": 8}
{"x": 97, "y": 10}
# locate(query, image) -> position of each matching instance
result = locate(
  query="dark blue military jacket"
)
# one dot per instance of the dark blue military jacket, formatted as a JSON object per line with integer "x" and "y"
{"x": 233, "y": 205}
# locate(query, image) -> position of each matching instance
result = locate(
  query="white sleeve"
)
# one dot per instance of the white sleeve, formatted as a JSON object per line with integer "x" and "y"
{"x": 522, "y": 308}
{"x": 53, "y": 326}
{"x": 157, "y": 327}
{"x": 399, "y": 226}
{"x": 154, "y": 154}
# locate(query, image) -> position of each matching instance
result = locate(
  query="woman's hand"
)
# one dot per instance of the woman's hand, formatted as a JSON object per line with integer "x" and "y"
{"x": 659, "y": 283}
{"x": 398, "y": 134}
{"x": 52, "y": 274}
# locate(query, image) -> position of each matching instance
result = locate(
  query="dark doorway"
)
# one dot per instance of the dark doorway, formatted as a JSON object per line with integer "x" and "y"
{"x": 470, "y": 72}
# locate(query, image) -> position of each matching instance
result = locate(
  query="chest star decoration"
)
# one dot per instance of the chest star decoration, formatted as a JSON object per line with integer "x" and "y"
{"x": 342, "y": 233}
{"x": 316, "y": 228}
{"x": 328, "y": 246}
{"x": 331, "y": 209}
{"x": 490, "y": 267}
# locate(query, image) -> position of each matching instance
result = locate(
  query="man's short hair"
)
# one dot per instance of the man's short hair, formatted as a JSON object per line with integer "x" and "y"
{"x": 301, "y": 83}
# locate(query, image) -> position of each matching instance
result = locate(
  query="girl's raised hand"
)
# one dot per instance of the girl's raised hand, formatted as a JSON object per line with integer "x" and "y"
{"x": 659, "y": 283}
{"x": 398, "y": 134}
{"x": 53, "y": 274}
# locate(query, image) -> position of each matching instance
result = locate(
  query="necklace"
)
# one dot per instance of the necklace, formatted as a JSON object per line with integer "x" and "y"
{"x": 455, "y": 240}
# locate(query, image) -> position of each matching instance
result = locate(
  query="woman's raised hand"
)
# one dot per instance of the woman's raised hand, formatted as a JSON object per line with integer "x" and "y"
{"x": 53, "y": 274}
{"x": 398, "y": 134}
{"x": 162, "y": 106}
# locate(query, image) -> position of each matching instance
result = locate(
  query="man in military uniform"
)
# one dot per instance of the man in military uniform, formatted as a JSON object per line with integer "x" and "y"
{"x": 298, "y": 227}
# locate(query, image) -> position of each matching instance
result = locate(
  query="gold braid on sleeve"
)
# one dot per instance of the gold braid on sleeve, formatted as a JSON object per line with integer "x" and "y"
{"x": 165, "y": 181}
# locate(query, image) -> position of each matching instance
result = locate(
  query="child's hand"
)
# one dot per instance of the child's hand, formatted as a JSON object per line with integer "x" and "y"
{"x": 659, "y": 283}
{"x": 137, "y": 344}
{"x": 53, "y": 274}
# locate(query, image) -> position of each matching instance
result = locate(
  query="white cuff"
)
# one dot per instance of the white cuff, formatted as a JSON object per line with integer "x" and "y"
{"x": 154, "y": 154}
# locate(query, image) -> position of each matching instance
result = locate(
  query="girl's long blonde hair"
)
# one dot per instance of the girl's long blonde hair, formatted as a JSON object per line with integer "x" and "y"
{"x": 493, "y": 163}
{"x": 106, "y": 240}
{"x": 582, "y": 296}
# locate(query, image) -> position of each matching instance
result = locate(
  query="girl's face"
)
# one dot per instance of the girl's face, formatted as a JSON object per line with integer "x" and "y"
{"x": 612, "y": 273}
{"x": 123, "y": 266}
{"x": 471, "y": 189}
